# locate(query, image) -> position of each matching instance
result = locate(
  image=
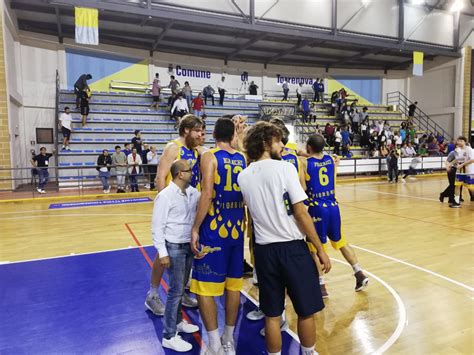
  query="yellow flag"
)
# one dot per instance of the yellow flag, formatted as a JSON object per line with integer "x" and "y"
{"x": 87, "y": 25}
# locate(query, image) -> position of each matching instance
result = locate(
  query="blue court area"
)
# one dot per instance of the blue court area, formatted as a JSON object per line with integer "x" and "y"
{"x": 94, "y": 304}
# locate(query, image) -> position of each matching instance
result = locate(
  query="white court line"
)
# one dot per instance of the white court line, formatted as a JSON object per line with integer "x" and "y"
{"x": 402, "y": 313}
{"x": 255, "y": 302}
{"x": 395, "y": 194}
{"x": 73, "y": 254}
{"x": 469, "y": 288}
{"x": 77, "y": 215}
{"x": 402, "y": 319}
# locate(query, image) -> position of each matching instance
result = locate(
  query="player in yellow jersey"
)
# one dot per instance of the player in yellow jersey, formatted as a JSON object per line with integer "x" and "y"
{"x": 320, "y": 175}
{"x": 218, "y": 237}
{"x": 184, "y": 147}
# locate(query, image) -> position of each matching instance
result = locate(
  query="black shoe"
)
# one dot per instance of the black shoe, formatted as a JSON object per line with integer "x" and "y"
{"x": 441, "y": 198}
{"x": 461, "y": 200}
{"x": 137, "y": 190}
{"x": 248, "y": 269}
{"x": 455, "y": 205}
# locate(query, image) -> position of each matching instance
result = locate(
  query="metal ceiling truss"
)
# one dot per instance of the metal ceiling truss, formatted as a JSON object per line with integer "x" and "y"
{"x": 250, "y": 28}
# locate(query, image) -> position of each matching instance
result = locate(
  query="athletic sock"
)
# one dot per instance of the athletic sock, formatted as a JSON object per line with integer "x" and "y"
{"x": 283, "y": 317}
{"x": 356, "y": 268}
{"x": 228, "y": 333}
{"x": 153, "y": 290}
{"x": 307, "y": 351}
{"x": 457, "y": 199}
{"x": 214, "y": 339}
{"x": 321, "y": 280}
{"x": 277, "y": 353}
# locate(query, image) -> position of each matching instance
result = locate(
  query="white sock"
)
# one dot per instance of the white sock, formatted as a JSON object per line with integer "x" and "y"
{"x": 356, "y": 268}
{"x": 214, "y": 339}
{"x": 153, "y": 290}
{"x": 457, "y": 199}
{"x": 321, "y": 280}
{"x": 307, "y": 351}
{"x": 228, "y": 333}
{"x": 277, "y": 353}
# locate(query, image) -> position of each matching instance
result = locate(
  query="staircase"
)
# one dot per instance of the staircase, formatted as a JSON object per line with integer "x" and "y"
{"x": 112, "y": 120}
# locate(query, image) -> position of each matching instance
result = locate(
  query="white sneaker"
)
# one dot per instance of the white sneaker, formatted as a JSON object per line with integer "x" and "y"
{"x": 185, "y": 327}
{"x": 256, "y": 314}
{"x": 38, "y": 189}
{"x": 42, "y": 192}
{"x": 147, "y": 186}
{"x": 107, "y": 191}
{"x": 229, "y": 348}
{"x": 68, "y": 148}
{"x": 176, "y": 343}
{"x": 283, "y": 327}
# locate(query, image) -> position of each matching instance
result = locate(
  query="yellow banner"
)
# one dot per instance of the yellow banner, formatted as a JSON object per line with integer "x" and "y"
{"x": 418, "y": 57}
{"x": 86, "y": 17}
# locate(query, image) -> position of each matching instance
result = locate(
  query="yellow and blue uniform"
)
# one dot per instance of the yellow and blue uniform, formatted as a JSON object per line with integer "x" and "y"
{"x": 323, "y": 207}
{"x": 292, "y": 158}
{"x": 191, "y": 155}
{"x": 222, "y": 232}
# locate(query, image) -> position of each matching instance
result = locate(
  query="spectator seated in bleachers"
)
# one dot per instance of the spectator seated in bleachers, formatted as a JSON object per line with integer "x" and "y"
{"x": 433, "y": 147}
{"x": 383, "y": 150}
{"x": 208, "y": 92}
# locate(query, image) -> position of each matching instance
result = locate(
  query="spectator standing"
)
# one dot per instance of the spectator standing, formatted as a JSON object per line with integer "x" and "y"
{"x": 81, "y": 85}
{"x": 337, "y": 141}
{"x": 298, "y": 93}
{"x": 253, "y": 88}
{"x": 222, "y": 90}
{"x": 119, "y": 161}
{"x": 188, "y": 93}
{"x": 155, "y": 91}
{"x": 280, "y": 230}
{"x": 104, "y": 163}
{"x": 84, "y": 107}
{"x": 329, "y": 134}
{"x": 392, "y": 163}
{"x": 316, "y": 90}
{"x": 174, "y": 85}
{"x": 321, "y": 90}
{"x": 355, "y": 117}
{"x": 173, "y": 215}
{"x": 412, "y": 108}
{"x": 403, "y": 133}
{"x": 153, "y": 161}
{"x": 65, "y": 124}
{"x": 126, "y": 149}
{"x": 306, "y": 108}
{"x": 346, "y": 139}
{"x": 134, "y": 161}
{"x": 197, "y": 105}
{"x": 208, "y": 91}
{"x": 41, "y": 163}
{"x": 144, "y": 156}
{"x": 137, "y": 141}
{"x": 286, "y": 90}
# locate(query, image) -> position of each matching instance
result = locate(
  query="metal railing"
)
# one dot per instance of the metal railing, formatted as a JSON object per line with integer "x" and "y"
{"x": 420, "y": 118}
{"x": 56, "y": 122}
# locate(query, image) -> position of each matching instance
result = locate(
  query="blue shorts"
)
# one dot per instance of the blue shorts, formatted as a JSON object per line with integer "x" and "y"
{"x": 466, "y": 180}
{"x": 220, "y": 269}
{"x": 327, "y": 221}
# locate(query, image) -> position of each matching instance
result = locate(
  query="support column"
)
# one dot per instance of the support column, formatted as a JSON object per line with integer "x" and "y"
{"x": 466, "y": 94}
{"x": 5, "y": 151}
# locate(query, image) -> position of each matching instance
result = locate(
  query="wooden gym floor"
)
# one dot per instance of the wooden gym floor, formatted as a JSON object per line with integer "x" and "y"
{"x": 418, "y": 254}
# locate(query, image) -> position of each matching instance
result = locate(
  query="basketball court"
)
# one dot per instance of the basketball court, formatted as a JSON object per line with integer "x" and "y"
{"x": 82, "y": 272}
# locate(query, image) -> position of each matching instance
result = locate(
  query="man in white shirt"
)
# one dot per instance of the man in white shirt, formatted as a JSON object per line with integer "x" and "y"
{"x": 180, "y": 107}
{"x": 408, "y": 151}
{"x": 465, "y": 169}
{"x": 222, "y": 90}
{"x": 275, "y": 200}
{"x": 173, "y": 216}
{"x": 153, "y": 160}
{"x": 65, "y": 124}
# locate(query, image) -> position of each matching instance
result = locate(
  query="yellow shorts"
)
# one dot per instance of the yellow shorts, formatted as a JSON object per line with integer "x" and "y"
{"x": 216, "y": 288}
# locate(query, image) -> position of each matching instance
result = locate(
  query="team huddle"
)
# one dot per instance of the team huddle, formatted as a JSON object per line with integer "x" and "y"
{"x": 251, "y": 184}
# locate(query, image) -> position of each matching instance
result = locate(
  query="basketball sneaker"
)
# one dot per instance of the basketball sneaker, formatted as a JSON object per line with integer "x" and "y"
{"x": 283, "y": 326}
{"x": 154, "y": 304}
{"x": 188, "y": 301}
{"x": 256, "y": 314}
{"x": 185, "y": 327}
{"x": 177, "y": 343}
{"x": 229, "y": 348}
{"x": 361, "y": 281}
{"x": 324, "y": 292}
